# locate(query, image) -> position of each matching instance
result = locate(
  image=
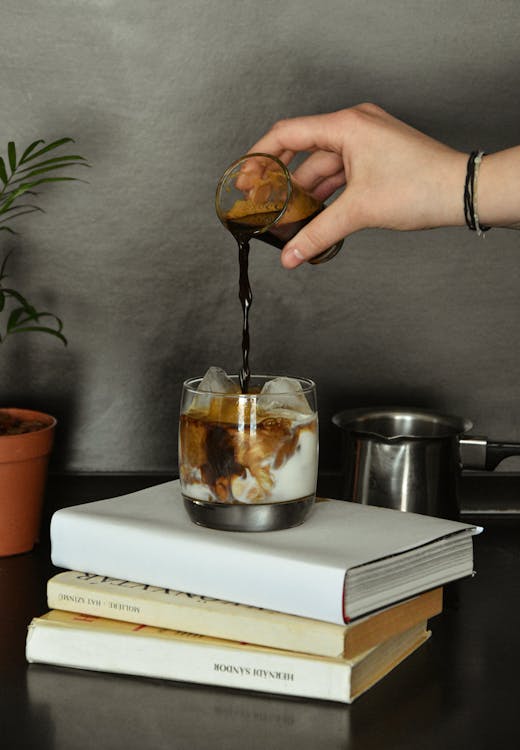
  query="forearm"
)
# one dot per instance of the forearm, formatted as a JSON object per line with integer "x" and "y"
{"x": 498, "y": 196}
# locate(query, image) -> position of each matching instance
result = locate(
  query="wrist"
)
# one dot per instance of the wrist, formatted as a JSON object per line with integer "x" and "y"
{"x": 450, "y": 190}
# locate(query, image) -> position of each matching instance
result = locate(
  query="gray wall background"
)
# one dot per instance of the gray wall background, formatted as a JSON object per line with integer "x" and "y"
{"x": 161, "y": 96}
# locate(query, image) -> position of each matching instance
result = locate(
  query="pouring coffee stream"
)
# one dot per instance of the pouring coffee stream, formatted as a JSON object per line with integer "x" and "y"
{"x": 246, "y": 299}
{"x": 258, "y": 199}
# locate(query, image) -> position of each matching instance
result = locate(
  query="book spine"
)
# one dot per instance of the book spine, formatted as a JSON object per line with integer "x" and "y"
{"x": 100, "y": 596}
{"x": 109, "y": 651}
{"x": 369, "y": 631}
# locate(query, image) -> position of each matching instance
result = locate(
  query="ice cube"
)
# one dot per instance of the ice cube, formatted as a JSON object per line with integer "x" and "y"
{"x": 283, "y": 393}
{"x": 216, "y": 380}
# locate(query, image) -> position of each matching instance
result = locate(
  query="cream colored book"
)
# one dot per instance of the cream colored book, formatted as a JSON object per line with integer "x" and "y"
{"x": 346, "y": 561}
{"x": 119, "y": 599}
{"x": 85, "y": 642}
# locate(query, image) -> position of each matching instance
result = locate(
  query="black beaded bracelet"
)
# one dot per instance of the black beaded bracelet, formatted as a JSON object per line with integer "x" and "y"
{"x": 470, "y": 194}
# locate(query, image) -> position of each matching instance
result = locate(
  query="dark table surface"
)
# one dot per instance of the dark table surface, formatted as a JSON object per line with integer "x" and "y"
{"x": 460, "y": 690}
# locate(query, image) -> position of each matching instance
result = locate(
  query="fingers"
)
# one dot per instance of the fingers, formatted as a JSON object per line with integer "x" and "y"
{"x": 329, "y": 186}
{"x": 331, "y": 225}
{"x": 317, "y": 167}
{"x": 287, "y": 156}
{"x": 321, "y": 174}
{"x": 253, "y": 170}
{"x": 301, "y": 134}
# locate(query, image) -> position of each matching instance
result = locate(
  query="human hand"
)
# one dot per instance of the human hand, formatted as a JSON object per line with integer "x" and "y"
{"x": 395, "y": 177}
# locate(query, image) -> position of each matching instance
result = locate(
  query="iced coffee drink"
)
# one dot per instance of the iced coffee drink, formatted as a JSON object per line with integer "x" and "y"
{"x": 239, "y": 450}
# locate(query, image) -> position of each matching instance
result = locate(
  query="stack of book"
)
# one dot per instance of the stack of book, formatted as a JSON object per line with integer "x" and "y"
{"x": 323, "y": 610}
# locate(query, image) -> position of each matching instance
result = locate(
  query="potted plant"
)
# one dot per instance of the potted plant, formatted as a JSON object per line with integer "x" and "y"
{"x": 26, "y": 437}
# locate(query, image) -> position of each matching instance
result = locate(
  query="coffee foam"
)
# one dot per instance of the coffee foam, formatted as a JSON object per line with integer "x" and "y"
{"x": 258, "y": 200}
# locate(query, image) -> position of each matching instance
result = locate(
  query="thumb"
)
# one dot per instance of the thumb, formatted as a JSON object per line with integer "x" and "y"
{"x": 328, "y": 227}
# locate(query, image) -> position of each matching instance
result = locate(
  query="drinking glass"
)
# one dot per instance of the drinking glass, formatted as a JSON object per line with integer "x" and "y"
{"x": 249, "y": 461}
{"x": 257, "y": 197}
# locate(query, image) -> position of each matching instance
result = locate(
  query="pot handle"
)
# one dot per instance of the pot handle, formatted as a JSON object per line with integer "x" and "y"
{"x": 479, "y": 453}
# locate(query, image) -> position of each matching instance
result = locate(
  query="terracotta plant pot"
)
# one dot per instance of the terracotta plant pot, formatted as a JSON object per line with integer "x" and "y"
{"x": 23, "y": 471}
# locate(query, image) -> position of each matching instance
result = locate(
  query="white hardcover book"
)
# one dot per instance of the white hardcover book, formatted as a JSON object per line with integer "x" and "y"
{"x": 345, "y": 561}
{"x": 80, "y": 641}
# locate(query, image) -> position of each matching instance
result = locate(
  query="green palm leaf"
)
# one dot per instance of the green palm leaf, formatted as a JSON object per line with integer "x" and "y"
{"x": 19, "y": 180}
{"x": 14, "y": 317}
{"x": 20, "y": 206}
{"x": 29, "y": 149}
{"x": 3, "y": 172}
{"x": 20, "y": 213}
{"x": 11, "y": 153}
{"x": 55, "y": 160}
{"x": 46, "y": 149}
{"x": 21, "y": 299}
{"x": 42, "y": 329}
{"x": 52, "y": 168}
{"x": 12, "y": 195}
{"x": 27, "y": 313}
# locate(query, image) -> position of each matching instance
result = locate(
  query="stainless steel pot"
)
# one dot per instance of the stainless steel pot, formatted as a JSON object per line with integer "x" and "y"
{"x": 411, "y": 459}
